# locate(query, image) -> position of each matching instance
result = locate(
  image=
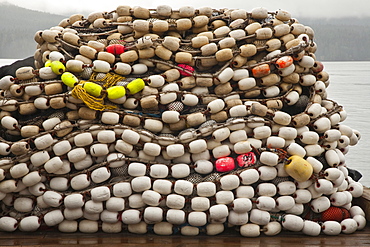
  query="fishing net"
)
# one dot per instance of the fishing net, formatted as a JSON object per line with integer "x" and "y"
{"x": 166, "y": 121}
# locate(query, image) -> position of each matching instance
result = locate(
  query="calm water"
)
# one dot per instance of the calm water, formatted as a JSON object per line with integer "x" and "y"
{"x": 350, "y": 87}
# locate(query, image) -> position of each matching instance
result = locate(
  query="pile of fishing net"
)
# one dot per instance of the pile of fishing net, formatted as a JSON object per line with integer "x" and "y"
{"x": 167, "y": 121}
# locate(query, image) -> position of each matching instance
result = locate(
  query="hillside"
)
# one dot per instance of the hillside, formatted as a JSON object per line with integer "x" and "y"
{"x": 18, "y": 27}
{"x": 338, "y": 39}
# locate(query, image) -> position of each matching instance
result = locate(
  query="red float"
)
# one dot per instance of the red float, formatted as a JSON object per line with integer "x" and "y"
{"x": 225, "y": 164}
{"x": 186, "y": 68}
{"x": 246, "y": 160}
{"x": 115, "y": 49}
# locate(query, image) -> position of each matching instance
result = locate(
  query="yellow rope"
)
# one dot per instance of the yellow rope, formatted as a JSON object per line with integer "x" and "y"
{"x": 92, "y": 102}
{"x": 110, "y": 79}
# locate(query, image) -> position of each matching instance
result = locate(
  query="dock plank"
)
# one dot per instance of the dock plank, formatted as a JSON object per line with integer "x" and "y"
{"x": 54, "y": 238}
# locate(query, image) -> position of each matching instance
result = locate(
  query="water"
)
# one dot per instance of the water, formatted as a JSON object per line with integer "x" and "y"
{"x": 350, "y": 87}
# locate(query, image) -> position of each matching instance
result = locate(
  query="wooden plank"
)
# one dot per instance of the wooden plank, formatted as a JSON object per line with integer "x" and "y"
{"x": 230, "y": 239}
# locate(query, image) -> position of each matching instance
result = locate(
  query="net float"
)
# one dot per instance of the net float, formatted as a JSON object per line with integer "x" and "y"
{"x": 259, "y": 217}
{"x": 284, "y": 62}
{"x": 250, "y": 230}
{"x": 129, "y": 56}
{"x": 68, "y": 226}
{"x": 135, "y": 86}
{"x": 361, "y": 221}
{"x": 317, "y": 67}
{"x": 8, "y": 224}
{"x": 9, "y": 123}
{"x": 287, "y": 71}
{"x": 311, "y": 228}
{"x": 34, "y": 90}
{"x": 139, "y": 69}
{"x": 19, "y": 148}
{"x": 122, "y": 68}
{"x": 338, "y": 199}
{"x": 320, "y": 204}
{"x": 153, "y": 215}
{"x": 159, "y": 171}
{"x": 242, "y": 205}
{"x": 302, "y": 196}
{"x": 238, "y": 136}
{"x": 203, "y": 166}
{"x": 349, "y": 226}
{"x": 100, "y": 175}
{"x": 356, "y": 189}
{"x": 131, "y": 216}
{"x": 163, "y": 228}
{"x": 285, "y": 203}
{"x": 24, "y": 205}
{"x": 206, "y": 189}
{"x": 286, "y": 188}
{"x": 62, "y": 147}
{"x": 313, "y": 150}
{"x": 309, "y": 137}
{"x": 293, "y": 223}
{"x": 356, "y": 210}
{"x": 229, "y": 182}
{"x": 267, "y": 172}
{"x": 223, "y": 163}
{"x": 60, "y": 184}
{"x": 238, "y": 111}
{"x": 174, "y": 201}
{"x": 261, "y": 70}
{"x": 272, "y": 228}
{"x": 265, "y": 203}
{"x": 29, "y": 224}
{"x": 269, "y": 158}
{"x": 219, "y": 211}
{"x": 57, "y": 67}
{"x": 6, "y": 82}
{"x": 116, "y": 160}
{"x": 298, "y": 168}
{"x": 266, "y": 189}
{"x": 109, "y": 216}
{"x": 242, "y": 147}
{"x": 115, "y": 49}
{"x": 200, "y": 203}
{"x": 53, "y": 199}
{"x": 306, "y": 62}
{"x": 141, "y": 183}
{"x": 88, "y": 226}
{"x": 93, "y": 207}
{"x": 136, "y": 169}
{"x": 224, "y": 197}
{"x": 19, "y": 170}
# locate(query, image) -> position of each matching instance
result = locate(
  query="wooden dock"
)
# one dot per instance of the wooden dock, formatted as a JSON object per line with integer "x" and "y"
{"x": 53, "y": 238}
{"x": 229, "y": 239}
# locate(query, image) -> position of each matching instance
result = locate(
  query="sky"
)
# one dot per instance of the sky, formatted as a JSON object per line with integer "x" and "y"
{"x": 298, "y": 8}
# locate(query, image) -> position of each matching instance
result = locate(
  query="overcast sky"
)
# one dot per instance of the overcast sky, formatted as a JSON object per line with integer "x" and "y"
{"x": 308, "y": 8}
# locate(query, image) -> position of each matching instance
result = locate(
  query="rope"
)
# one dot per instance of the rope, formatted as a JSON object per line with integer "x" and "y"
{"x": 92, "y": 102}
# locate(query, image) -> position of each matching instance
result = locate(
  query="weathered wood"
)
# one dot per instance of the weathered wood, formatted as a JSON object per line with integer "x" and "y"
{"x": 54, "y": 238}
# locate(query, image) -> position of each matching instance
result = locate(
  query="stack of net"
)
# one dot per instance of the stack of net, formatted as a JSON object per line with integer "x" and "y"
{"x": 167, "y": 121}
